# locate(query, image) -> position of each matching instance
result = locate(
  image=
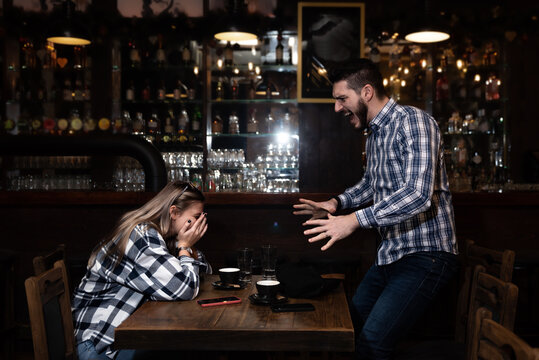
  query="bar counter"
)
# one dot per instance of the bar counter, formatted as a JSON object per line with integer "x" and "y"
{"x": 36, "y": 222}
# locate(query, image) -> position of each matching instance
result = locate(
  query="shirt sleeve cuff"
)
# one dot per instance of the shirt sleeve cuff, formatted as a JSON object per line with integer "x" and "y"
{"x": 345, "y": 201}
{"x": 365, "y": 218}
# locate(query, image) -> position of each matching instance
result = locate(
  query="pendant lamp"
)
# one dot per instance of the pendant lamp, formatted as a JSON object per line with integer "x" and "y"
{"x": 234, "y": 30}
{"x": 428, "y": 30}
{"x": 69, "y": 32}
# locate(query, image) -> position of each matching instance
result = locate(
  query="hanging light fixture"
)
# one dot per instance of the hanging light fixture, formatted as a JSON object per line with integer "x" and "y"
{"x": 427, "y": 31}
{"x": 234, "y": 30}
{"x": 69, "y": 32}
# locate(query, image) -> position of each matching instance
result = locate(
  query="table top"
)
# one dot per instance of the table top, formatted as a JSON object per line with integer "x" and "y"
{"x": 185, "y": 325}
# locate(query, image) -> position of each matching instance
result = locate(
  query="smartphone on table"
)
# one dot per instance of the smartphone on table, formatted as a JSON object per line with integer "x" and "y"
{"x": 225, "y": 300}
{"x": 292, "y": 307}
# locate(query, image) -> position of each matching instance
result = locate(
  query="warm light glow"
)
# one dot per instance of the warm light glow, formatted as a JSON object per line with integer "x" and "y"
{"x": 250, "y": 66}
{"x": 195, "y": 70}
{"x": 406, "y": 71}
{"x": 403, "y": 83}
{"x": 386, "y": 81}
{"x": 291, "y": 41}
{"x": 499, "y": 82}
{"x": 236, "y": 71}
{"x": 235, "y": 36}
{"x": 257, "y": 70}
{"x": 251, "y": 42}
{"x": 253, "y": 50}
{"x": 426, "y": 37}
{"x": 477, "y": 78}
{"x": 69, "y": 41}
{"x": 423, "y": 63}
{"x": 219, "y": 63}
{"x": 439, "y": 69}
{"x": 460, "y": 64}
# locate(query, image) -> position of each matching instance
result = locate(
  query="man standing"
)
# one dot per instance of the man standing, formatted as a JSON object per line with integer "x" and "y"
{"x": 411, "y": 207}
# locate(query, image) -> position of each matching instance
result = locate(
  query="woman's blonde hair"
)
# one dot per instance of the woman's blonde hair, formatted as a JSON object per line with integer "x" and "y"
{"x": 155, "y": 213}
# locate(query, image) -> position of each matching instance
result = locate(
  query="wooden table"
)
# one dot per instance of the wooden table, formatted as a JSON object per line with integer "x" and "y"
{"x": 185, "y": 325}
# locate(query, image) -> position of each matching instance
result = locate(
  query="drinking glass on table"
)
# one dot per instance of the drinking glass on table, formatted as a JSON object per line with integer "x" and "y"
{"x": 269, "y": 260}
{"x": 245, "y": 263}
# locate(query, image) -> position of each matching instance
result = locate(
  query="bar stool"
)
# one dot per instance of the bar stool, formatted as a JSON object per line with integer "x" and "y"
{"x": 8, "y": 260}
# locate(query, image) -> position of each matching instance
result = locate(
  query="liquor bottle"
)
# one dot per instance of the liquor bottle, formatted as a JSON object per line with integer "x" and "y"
{"x": 153, "y": 128}
{"x": 160, "y": 55}
{"x": 62, "y": 126}
{"x": 67, "y": 91}
{"x": 36, "y": 125}
{"x": 229, "y": 54}
{"x": 127, "y": 123}
{"x": 180, "y": 91}
{"x": 183, "y": 125}
{"x": 418, "y": 87}
{"x": 252, "y": 123}
{"x": 168, "y": 135}
{"x": 117, "y": 125}
{"x": 483, "y": 124}
{"x": 286, "y": 123}
{"x": 130, "y": 92}
{"x": 186, "y": 55}
{"x": 75, "y": 123}
{"x": 161, "y": 91}
{"x": 88, "y": 124}
{"x": 233, "y": 124}
{"x": 104, "y": 124}
{"x": 139, "y": 125}
{"x": 235, "y": 89}
{"x": 78, "y": 91}
{"x": 217, "y": 124}
{"x": 279, "y": 49}
{"x": 220, "y": 91}
{"x": 252, "y": 90}
{"x": 134, "y": 55}
{"x": 197, "y": 119}
{"x": 270, "y": 123}
{"x": 442, "y": 88}
{"x": 146, "y": 91}
{"x": 49, "y": 125}
{"x": 23, "y": 124}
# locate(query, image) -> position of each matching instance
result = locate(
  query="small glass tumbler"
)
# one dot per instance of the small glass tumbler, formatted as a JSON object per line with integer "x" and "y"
{"x": 269, "y": 260}
{"x": 245, "y": 263}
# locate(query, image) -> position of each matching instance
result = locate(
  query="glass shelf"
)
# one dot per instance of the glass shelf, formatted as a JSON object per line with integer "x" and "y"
{"x": 254, "y": 101}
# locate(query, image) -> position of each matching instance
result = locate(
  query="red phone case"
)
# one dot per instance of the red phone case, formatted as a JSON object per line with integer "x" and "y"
{"x": 219, "y": 301}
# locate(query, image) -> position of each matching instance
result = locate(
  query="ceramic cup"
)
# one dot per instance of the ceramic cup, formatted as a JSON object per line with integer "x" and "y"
{"x": 267, "y": 288}
{"x": 229, "y": 275}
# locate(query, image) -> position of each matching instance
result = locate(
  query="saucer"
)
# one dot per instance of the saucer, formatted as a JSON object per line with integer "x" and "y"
{"x": 222, "y": 286}
{"x": 259, "y": 300}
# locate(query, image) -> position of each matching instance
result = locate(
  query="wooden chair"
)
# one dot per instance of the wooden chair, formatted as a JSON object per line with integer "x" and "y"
{"x": 495, "y": 262}
{"x": 498, "y": 296}
{"x": 487, "y": 291}
{"x": 492, "y": 341}
{"x": 46, "y": 262}
{"x": 51, "y": 320}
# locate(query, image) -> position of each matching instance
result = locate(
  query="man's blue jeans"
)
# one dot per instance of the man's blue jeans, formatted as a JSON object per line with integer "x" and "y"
{"x": 391, "y": 298}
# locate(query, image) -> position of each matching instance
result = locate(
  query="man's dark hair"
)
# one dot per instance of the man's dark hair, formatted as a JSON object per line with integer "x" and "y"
{"x": 358, "y": 73}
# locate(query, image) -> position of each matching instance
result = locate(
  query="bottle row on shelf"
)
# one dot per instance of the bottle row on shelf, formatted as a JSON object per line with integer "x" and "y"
{"x": 481, "y": 122}
{"x": 274, "y": 121}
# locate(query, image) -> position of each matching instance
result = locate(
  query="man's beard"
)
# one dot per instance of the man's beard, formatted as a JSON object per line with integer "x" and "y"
{"x": 361, "y": 115}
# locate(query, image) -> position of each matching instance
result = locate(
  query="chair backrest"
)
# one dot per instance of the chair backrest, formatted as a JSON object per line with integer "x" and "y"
{"x": 51, "y": 320}
{"x": 46, "y": 262}
{"x": 492, "y": 341}
{"x": 498, "y": 296}
{"x": 495, "y": 262}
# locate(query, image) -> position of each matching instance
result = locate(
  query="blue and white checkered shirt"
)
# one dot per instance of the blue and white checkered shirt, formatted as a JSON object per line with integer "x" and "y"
{"x": 407, "y": 182}
{"x": 107, "y": 296}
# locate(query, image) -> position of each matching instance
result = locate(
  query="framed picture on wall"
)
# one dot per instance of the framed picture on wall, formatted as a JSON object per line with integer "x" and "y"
{"x": 329, "y": 33}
